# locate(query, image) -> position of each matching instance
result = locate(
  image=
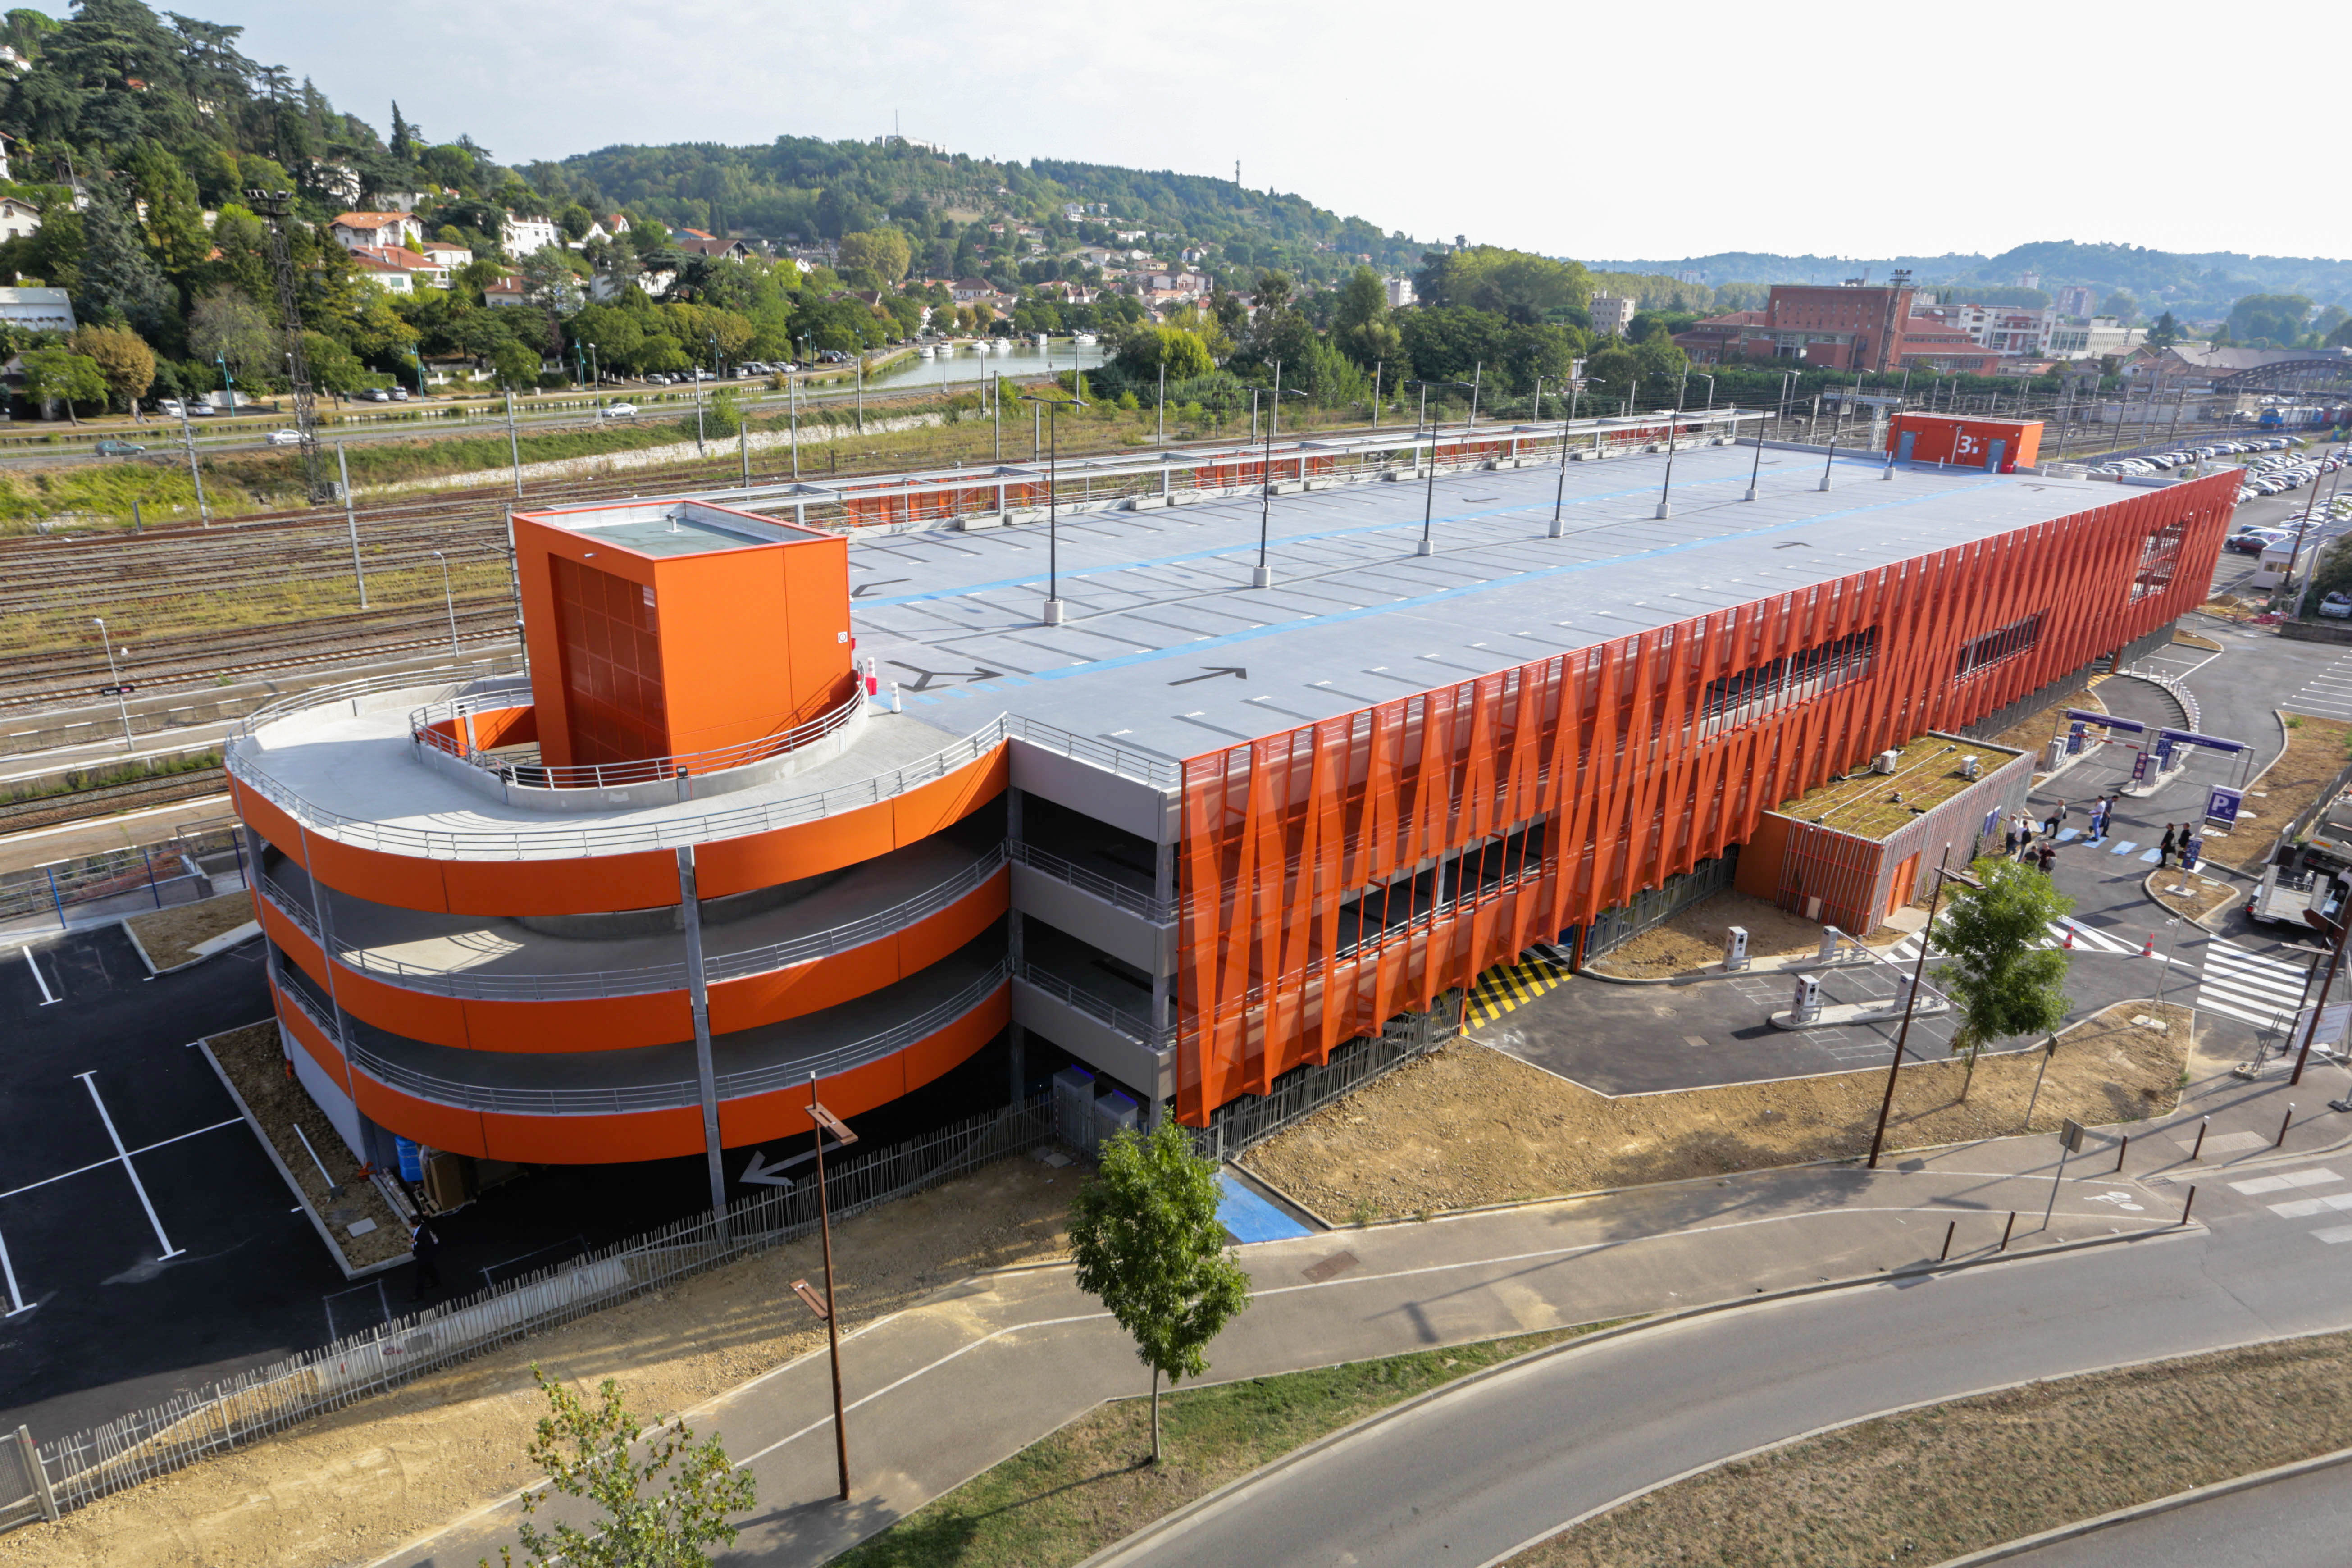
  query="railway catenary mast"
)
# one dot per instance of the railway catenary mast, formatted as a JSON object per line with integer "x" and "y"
{"x": 277, "y": 206}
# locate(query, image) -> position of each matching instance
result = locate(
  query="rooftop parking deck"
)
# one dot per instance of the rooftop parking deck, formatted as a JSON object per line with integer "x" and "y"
{"x": 1167, "y": 648}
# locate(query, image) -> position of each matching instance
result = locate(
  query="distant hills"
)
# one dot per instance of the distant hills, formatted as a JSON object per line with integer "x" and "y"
{"x": 2200, "y": 285}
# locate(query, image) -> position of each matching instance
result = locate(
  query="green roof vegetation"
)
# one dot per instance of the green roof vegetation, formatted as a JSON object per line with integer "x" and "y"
{"x": 1872, "y": 804}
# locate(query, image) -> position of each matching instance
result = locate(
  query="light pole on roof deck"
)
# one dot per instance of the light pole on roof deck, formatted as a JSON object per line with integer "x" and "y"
{"x": 1052, "y": 408}
{"x": 1261, "y": 576}
{"x": 1429, "y": 499}
{"x": 1673, "y": 431}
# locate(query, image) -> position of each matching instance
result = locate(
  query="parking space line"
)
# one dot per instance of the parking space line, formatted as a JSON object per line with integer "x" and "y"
{"x": 15, "y": 1300}
{"x": 39, "y": 979}
{"x": 101, "y": 1165}
{"x": 89, "y": 1082}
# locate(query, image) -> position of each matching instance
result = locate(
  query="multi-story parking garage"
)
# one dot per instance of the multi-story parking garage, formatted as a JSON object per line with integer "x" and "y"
{"x": 1196, "y": 833}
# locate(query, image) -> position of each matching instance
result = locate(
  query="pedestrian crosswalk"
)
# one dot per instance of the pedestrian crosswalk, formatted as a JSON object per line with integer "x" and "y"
{"x": 2087, "y": 939}
{"x": 2252, "y": 987}
{"x": 2328, "y": 694}
{"x": 2303, "y": 1208}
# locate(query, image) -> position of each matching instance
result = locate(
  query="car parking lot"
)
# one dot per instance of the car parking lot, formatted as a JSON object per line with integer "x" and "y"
{"x": 149, "y": 1244}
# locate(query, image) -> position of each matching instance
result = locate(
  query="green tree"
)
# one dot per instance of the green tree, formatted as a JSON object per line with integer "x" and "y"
{"x": 2341, "y": 337}
{"x": 119, "y": 278}
{"x": 881, "y": 251}
{"x": 652, "y": 1518}
{"x": 1146, "y": 1238}
{"x": 2278, "y": 317}
{"x": 174, "y": 222}
{"x": 2002, "y": 978}
{"x": 517, "y": 366}
{"x": 334, "y": 368}
{"x": 2122, "y": 306}
{"x": 122, "y": 357}
{"x": 61, "y": 375}
{"x": 1362, "y": 327}
{"x": 1146, "y": 350}
{"x": 2164, "y": 333}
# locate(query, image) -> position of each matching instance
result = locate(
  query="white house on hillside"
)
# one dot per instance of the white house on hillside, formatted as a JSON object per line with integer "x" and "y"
{"x": 520, "y": 237}
{"x": 355, "y": 229}
{"x": 18, "y": 217}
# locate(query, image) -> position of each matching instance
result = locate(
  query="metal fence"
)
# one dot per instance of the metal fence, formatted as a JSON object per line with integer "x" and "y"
{"x": 1655, "y": 906}
{"x": 121, "y": 881}
{"x": 237, "y": 1411}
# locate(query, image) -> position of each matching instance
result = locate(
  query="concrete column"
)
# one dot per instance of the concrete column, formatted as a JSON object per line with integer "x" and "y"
{"x": 698, "y": 997}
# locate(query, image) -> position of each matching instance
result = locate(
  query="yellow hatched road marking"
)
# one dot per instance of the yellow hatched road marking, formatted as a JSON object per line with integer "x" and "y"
{"x": 1510, "y": 985}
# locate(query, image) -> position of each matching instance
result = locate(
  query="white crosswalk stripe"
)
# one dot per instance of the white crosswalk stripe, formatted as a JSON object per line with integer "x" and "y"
{"x": 2252, "y": 987}
{"x": 2087, "y": 939}
{"x": 2328, "y": 695}
{"x": 2304, "y": 1208}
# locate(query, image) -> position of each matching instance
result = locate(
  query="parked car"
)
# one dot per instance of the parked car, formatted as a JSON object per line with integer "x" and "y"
{"x": 376, "y": 394}
{"x": 2336, "y": 607}
{"x": 399, "y": 395}
{"x": 2255, "y": 541}
{"x": 284, "y": 437}
{"x": 170, "y": 408}
{"x": 617, "y": 410}
{"x": 110, "y": 448}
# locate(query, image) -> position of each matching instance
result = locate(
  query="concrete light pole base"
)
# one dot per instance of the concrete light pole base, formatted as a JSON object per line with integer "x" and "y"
{"x": 1664, "y": 509}
{"x": 1750, "y": 495}
{"x": 1559, "y": 529}
{"x": 1425, "y": 547}
{"x": 1261, "y": 576}
{"x": 1053, "y": 612}
{"x": 1825, "y": 481}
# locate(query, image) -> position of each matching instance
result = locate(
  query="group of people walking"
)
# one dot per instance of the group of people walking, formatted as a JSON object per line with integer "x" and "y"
{"x": 2037, "y": 842}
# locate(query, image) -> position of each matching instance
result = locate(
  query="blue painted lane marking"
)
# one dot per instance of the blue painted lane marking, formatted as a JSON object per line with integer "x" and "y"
{"x": 2065, "y": 833}
{"x": 1249, "y": 1217}
{"x": 2153, "y": 856}
{"x": 2123, "y": 846}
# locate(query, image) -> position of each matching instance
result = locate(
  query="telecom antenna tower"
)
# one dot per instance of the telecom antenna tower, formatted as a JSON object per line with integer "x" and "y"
{"x": 278, "y": 206}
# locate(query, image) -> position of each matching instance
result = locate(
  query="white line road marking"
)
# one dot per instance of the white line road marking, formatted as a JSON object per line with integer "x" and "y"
{"x": 15, "y": 1300}
{"x": 147, "y": 1149}
{"x": 2283, "y": 1183}
{"x": 46, "y": 1000}
{"x": 2335, "y": 1234}
{"x": 89, "y": 1082}
{"x": 2304, "y": 1208}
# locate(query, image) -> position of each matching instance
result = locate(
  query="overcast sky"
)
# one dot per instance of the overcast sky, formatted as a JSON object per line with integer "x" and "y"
{"x": 1617, "y": 131}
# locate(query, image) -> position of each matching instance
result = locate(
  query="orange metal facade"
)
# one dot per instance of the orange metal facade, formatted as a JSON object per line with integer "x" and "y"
{"x": 1606, "y": 748}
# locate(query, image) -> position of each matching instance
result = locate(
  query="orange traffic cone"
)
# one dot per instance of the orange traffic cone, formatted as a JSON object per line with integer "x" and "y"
{"x": 2149, "y": 951}
{"x": 2070, "y": 939}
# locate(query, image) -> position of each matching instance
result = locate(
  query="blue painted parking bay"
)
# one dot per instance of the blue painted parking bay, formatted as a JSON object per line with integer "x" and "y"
{"x": 1248, "y": 1217}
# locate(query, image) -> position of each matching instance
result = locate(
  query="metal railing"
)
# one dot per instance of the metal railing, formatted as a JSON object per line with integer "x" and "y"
{"x": 352, "y": 691}
{"x": 1158, "y": 1036}
{"x": 652, "y": 977}
{"x": 610, "y": 775}
{"x": 235, "y": 1411}
{"x": 628, "y": 1098}
{"x": 1143, "y": 767}
{"x": 491, "y": 843}
{"x": 1159, "y": 912}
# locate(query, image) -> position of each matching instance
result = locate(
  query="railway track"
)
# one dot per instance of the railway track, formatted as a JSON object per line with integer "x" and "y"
{"x": 49, "y": 811}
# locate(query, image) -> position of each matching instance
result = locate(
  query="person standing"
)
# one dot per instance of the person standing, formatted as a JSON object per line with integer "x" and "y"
{"x": 2025, "y": 830}
{"x": 425, "y": 1246}
{"x": 2057, "y": 816}
{"x": 2008, "y": 841}
{"x": 2164, "y": 848}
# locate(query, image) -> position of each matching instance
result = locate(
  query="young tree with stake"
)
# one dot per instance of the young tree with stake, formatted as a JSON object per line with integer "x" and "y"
{"x": 1146, "y": 1237}
{"x": 2003, "y": 981}
{"x": 652, "y": 1518}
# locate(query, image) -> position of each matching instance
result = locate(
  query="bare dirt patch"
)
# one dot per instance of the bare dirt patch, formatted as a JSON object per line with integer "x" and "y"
{"x": 2314, "y": 759}
{"x": 1930, "y": 1485}
{"x": 1469, "y": 1125}
{"x": 2194, "y": 639}
{"x": 2033, "y": 735}
{"x": 349, "y": 1486}
{"x": 255, "y": 1064}
{"x": 170, "y": 936}
{"x": 1694, "y": 939}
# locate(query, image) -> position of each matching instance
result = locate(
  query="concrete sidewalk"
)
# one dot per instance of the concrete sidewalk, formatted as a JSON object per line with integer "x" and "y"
{"x": 982, "y": 1369}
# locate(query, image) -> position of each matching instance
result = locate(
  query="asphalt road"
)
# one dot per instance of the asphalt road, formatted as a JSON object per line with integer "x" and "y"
{"x": 1471, "y": 1476}
{"x": 2301, "y": 1521}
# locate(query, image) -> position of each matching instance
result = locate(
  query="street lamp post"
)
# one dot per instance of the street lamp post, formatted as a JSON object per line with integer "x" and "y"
{"x": 1429, "y": 495}
{"x": 1673, "y": 431}
{"x": 1263, "y": 575}
{"x": 1052, "y": 410}
{"x": 1710, "y": 388}
{"x": 1911, "y": 999}
{"x": 1560, "y": 496}
{"x": 115, "y": 678}
{"x": 448, "y": 602}
{"x": 827, "y": 1121}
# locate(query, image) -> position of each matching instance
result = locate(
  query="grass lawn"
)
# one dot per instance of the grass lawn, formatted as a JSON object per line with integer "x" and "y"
{"x": 1060, "y": 1501}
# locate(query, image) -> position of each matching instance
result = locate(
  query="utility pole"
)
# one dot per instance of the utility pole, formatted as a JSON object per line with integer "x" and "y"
{"x": 188, "y": 439}
{"x": 351, "y": 521}
{"x": 276, "y": 207}
{"x": 514, "y": 445}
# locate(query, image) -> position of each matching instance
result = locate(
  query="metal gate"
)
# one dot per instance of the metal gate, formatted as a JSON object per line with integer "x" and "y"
{"x": 24, "y": 1495}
